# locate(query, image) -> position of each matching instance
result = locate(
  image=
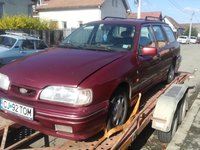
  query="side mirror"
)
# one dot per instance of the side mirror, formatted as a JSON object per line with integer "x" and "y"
{"x": 16, "y": 46}
{"x": 149, "y": 51}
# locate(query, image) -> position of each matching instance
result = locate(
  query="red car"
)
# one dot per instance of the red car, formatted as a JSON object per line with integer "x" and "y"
{"x": 87, "y": 84}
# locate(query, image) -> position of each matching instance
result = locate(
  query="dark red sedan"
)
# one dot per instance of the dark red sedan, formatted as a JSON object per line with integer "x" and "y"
{"x": 88, "y": 82}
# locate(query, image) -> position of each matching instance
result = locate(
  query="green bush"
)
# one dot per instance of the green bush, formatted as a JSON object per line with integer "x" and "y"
{"x": 24, "y": 22}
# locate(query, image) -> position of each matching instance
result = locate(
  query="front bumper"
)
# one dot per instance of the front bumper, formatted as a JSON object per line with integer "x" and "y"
{"x": 85, "y": 121}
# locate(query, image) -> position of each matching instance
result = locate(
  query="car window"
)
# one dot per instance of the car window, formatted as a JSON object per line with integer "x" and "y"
{"x": 99, "y": 36}
{"x": 40, "y": 45}
{"x": 160, "y": 37}
{"x": 80, "y": 36}
{"x": 28, "y": 45}
{"x": 146, "y": 38}
{"x": 117, "y": 36}
{"x": 7, "y": 41}
{"x": 170, "y": 34}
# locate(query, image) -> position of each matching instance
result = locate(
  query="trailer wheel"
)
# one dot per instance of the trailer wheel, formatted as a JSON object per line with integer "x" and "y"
{"x": 118, "y": 109}
{"x": 183, "y": 109}
{"x": 171, "y": 74}
{"x": 166, "y": 137}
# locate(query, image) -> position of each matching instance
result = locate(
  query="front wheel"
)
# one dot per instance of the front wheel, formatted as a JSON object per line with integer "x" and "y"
{"x": 171, "y": 74}
{"x": 118, "y": 109}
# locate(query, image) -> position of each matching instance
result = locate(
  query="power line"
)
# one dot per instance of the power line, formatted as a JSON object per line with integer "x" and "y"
{"x": 177, "y": 6}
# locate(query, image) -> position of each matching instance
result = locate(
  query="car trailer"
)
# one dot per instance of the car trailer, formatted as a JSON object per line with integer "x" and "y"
{"x": 173, "y": 98}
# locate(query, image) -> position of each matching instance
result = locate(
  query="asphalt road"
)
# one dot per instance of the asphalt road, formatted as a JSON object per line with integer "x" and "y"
{"x": 187, "y": 136}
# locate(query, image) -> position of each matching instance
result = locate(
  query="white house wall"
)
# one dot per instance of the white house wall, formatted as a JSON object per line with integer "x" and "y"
{"x": 171, "y": 25}
{"x": 72, "y": 17}
{"x": 114, "y": 8}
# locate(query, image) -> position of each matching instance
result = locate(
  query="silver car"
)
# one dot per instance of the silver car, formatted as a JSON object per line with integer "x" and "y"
{"x": 183, "y": 39}
{"x": 17, "y": 45}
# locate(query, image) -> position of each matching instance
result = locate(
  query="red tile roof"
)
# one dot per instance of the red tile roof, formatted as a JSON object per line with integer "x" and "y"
{"x": 144, "y": 14}
{"x": 69, "y": 4}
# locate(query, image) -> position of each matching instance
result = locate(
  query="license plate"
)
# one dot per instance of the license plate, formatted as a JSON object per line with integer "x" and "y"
{"x": 16, "y": 108}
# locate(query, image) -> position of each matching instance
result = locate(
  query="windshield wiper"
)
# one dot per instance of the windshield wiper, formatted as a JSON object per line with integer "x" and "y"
{"x": 69, "y": 45}
{"x": 86, "y": 46}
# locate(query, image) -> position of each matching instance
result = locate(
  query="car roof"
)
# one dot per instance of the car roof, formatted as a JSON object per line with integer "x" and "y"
{"x": 128, "y": 21}
{"x": 19, "y": 36}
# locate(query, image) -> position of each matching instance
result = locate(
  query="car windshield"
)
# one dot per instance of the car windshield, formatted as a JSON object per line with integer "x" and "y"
{"x": 7, "y": 41}
{"x": 183, "y": 37}
{"x": 109, "y": 37}
{"x": 193, "y": 37}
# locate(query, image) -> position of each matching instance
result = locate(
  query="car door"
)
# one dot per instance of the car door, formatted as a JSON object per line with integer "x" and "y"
{"x": 147, "y": 65}
{"x": 27, "y": 47}
{"x": 165, "y": 49}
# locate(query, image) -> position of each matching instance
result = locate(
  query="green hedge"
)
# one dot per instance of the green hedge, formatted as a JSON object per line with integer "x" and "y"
{"x": 24, "y": 22}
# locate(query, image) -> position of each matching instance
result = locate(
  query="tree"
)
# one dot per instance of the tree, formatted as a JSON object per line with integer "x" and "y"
{"x": 194, "y": 32}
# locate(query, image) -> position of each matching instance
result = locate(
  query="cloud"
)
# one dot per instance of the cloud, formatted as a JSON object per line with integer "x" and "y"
{"x": 190, "y": 9}
{"x": 144, "y": 3}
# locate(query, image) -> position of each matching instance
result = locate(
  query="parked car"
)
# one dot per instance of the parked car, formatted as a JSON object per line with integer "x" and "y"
{"x": 90, "y": 82}
{"x": 17, "y": 45}
{"x": 198, "y": 40}
{"x": 183, "y": 39}
{"x": 193, "y": 39}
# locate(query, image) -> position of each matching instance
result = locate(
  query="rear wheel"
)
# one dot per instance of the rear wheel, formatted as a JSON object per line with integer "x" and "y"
{"x": 183, "y": 109}
{"x": 171, "y": 73}
{"x": 166, "y": 137}
{"x": 118, "y": 109}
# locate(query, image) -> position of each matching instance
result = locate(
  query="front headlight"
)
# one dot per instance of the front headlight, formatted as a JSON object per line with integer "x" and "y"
{"x": 67, "y": 95}
{"x": 4, "y": 81}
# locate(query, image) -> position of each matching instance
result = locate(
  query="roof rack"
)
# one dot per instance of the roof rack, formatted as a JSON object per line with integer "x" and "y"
{"x": 21, "y": 34}
{"x": 153, "y": 18}
{"x": 110, "y": 17}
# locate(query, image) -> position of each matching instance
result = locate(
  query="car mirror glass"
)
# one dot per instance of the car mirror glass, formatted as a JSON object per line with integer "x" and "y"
{"x": 149, "y": 51}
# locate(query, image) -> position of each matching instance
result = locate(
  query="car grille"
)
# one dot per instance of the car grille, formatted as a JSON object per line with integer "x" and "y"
{"x": 23, "y": 91}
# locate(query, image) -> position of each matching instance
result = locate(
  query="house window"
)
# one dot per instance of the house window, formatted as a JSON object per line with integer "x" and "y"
{"x": 1, "y": 9}
{"x": 64, "y": 24}
{"x": 30, "y": 10}
{"x": 114, "y": 3}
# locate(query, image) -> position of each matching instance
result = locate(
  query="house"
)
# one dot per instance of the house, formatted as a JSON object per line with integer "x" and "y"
{"x": 15, "y": 7}
{"x": 177, "y": 28}
{"x": 144, "y": 14}
{"x": 73, "y": 13}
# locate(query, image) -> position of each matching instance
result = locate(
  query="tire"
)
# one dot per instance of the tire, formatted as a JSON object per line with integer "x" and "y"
{"x": 166, "y": 137}
{"x": 171, "y": 73}
{"x": 183, "y": 109}
{"x": 118, "y": 109}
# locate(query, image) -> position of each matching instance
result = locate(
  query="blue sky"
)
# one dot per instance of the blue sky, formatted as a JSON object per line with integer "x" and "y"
{"x": 180, "y": 10}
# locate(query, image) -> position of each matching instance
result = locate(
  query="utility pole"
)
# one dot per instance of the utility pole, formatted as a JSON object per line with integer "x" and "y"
{"x": 138, "y": 3}
{"x": 190, "y": 29}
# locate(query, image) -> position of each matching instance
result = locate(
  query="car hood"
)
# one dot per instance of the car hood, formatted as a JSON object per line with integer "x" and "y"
{"x": 67, "y": 67}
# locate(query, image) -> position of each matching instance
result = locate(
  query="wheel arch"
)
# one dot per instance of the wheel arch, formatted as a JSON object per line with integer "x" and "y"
{"x": 123, "y": 86}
